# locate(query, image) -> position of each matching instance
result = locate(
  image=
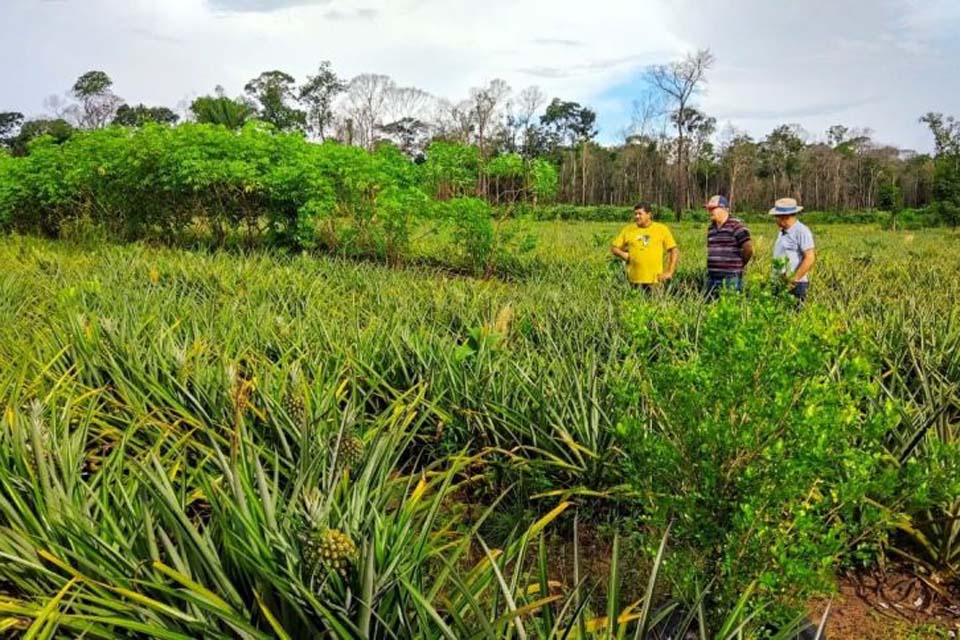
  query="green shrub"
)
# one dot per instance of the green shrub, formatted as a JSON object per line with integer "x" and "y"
{"x": 162, "y": 180}
{"x": 451, "y": 170}
{"x": 755, "y": 436}
{"x": 483, "y": 243}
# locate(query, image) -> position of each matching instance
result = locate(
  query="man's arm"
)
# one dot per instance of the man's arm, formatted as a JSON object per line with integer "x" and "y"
{"x": 746, "y": 251}
{"x": 673, "y": 256}
{"x": 620, "y": 253}
{"x": 809, "y": 257}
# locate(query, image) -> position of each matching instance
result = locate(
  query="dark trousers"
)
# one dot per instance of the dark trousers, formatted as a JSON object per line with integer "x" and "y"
{"x": 717, "y": 282}
{"x": 799, "y": 292}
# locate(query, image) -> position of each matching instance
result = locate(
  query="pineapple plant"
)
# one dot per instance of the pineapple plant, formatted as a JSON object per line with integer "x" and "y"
{"x": 323, "y": 548}
{"x": 293, "y": 402}
{"x": 347, "y": 449}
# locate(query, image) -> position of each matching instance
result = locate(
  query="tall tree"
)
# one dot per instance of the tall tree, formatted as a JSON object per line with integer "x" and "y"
{"x": 273, "y": 91}
{"x": 219, "y": 109}
{"x": 10, "y": 122}
{"x": 573, "y": 124}
{"x": 678, "y": 82}
{"x": 698, "y": 127}
{"x": 366, "y": 99}
{"x": 408, "y": 133}
{"x": 141, "y": 114}
{"x": 97, "y": 101}
{"x": 946, "y": 133}
{"x": 521, "y": 131}
{"x": 317, "y": 95}
{"x": 58, "y": 129}
{"x": 946, "y": 179}
{"x": 485, "y": 104}
{"x": 739, "y": 158}
{"x": 781, "y": 157}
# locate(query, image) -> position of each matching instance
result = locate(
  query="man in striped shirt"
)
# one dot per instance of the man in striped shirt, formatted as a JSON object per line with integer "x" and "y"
{"x": 728, "y": 248}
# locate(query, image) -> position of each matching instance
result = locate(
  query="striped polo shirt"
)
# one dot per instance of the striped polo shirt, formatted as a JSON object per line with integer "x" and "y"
{"x": 723, "y": 246}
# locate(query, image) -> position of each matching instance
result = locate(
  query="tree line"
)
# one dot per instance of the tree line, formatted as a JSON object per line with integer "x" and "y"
{"x": 672, "y": 153}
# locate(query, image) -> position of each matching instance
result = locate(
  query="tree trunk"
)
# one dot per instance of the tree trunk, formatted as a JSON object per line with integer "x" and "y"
{"x": 681, "y": 172}
{"x": 583, "y": 174}
{"x": 733, "y": 189}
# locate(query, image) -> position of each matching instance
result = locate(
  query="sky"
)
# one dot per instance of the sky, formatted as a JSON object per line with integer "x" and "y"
{"x": 877, "y": 64}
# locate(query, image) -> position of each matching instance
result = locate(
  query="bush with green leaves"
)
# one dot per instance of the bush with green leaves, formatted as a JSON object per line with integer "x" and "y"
{"x": 483, "y": 242}
{"x": 451, "y": 169}
{"x": 758, "y": 435}
{"x": 164, "y": 181}
{"x": 7, "y": 187}
{"x": 513, "y": 178}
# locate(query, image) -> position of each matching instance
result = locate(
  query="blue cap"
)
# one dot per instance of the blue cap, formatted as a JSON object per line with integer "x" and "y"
{"x": 717, "y": 201}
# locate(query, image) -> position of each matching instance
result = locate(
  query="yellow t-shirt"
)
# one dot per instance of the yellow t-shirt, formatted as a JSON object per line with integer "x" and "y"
{"x": 646, "y": 247}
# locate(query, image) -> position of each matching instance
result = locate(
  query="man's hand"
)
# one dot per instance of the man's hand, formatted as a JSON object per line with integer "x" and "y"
{"x": 620, "y": 253}
{"x": 665, "y": 276}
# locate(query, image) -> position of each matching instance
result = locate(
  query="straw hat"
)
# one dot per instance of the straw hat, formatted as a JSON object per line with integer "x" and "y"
{"x": 785, "y": 207}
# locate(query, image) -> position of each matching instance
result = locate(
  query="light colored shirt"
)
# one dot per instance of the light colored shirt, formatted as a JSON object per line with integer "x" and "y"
{"x": 792, "y": 244}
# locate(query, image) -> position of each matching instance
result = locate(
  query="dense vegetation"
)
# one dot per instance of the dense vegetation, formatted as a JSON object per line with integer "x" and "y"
{"x": 334, "y": 359}
{"x": 672, "y": 153}
{"x": 205, "y": 181}
{"x": 220, "y": 445}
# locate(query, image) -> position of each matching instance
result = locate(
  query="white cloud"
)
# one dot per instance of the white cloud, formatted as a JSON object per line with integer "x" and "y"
{"x": 260, "y": 6}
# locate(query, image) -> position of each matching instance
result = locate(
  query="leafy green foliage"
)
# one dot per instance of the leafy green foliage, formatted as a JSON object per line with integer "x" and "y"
{"x": 172, "y": 183}
{"x": 482, "y": 242}
{"x": 141, "y": 114}
{"x": 451, "y": 169}
{"x": 219, "y": 109}
{"x": 754, "y": 419}
{"x": 165, "y": 180}
{"x": 947, "y": 189}
{"x": 59, "y": 131}
{"x": 317, "y": 94}
{"x": 274, "y": 92}
{"x": 543, "y": 180}
{"x": 946, "y": 179}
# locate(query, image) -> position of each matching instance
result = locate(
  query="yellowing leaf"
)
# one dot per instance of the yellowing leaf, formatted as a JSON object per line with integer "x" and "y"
{"x": 419, "y": 491}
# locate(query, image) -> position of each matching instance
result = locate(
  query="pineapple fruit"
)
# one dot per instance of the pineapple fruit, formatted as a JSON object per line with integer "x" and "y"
{"x": 348, "y": 450}
{"x": 328, "y": 549}
{"x": 295, "y": 408}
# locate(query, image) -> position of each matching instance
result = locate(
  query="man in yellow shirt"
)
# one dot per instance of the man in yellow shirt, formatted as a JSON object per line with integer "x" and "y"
{"x": 642, "y": 246}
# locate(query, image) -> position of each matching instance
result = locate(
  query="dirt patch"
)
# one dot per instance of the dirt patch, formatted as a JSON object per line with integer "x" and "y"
{"x": 895, "y": 604}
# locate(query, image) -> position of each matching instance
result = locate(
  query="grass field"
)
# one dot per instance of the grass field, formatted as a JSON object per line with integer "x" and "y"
{"x": 260, "y": 445}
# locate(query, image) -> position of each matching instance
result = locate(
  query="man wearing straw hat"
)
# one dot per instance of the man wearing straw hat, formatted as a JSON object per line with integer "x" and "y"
{"x": 793, "y": 252}
{"x": 729, "y": 248}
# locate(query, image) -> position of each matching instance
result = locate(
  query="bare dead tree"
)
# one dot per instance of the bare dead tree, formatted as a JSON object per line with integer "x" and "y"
{"x": 364, "y": 103}
{"x": 647, "y": 116}
{"x": 523, "y": 111}
{"x": 678, "y": 82}
{"x": 485, "y": 102}
{"x": 485, "y": 106}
